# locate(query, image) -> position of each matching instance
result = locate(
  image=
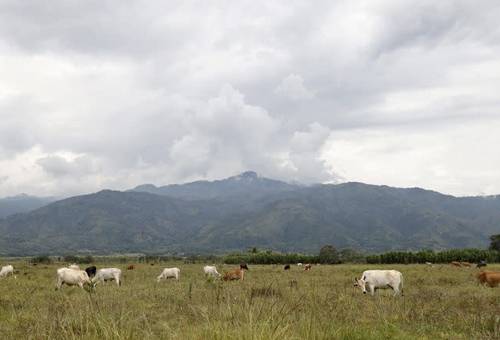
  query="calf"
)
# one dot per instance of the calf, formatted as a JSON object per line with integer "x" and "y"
{"x": 237, "y": 274}
{"x": 380, "y": 279}
{"x": 6, "y": 270}
{"x": 91, "y": 271}
{"x": 72, "y": 277}
{"x": 108, "y": 274}
{"x": 130, "y": 267}
{"x": 168, "y": 273}
{"x": 481, "y": 263}
{"x": 211, "y": 271}
{"x": 287, "y": 267}
{"x": 492, "y": 279}
{"x": 308, "y": 266}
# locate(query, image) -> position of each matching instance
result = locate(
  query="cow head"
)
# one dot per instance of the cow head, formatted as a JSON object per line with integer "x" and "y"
{"x": 361, "y": 284}
{"x": 243, "y": 266}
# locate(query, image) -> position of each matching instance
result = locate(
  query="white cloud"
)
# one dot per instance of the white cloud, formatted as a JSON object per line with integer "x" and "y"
{"x": 293, "y": 87}
{"x": 110, "y": 95}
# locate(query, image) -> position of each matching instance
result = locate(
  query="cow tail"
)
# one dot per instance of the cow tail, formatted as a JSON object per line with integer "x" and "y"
{"x": 402, "y": 289}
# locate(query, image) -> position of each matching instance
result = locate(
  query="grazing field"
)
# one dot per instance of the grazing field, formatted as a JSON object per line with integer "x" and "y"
{"x": 438, "y": 303}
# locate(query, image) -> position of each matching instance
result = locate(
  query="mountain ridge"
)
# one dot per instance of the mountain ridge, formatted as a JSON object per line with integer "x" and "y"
{"x": 246, "y": 211}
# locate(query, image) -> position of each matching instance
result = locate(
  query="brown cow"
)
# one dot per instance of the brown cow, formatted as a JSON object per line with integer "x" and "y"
{"x": 492, "y": 279}
{"x": 130, "y": 267}
{"x": 236, "y": 274}
{"x": 307, "y": 266}
{"x": 455, "y": 263}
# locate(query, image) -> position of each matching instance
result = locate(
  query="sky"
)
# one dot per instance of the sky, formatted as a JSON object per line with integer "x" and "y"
{"x": 113, "y": 94}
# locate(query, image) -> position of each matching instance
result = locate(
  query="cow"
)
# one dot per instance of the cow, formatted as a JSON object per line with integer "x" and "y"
{"x": 243, "y": 265}
{"x": 429, "y": 264}
{"x": 455, "y": 264}
{"x": 299, "y": 264}
{"x": 287, "y": 267}
{"x": 308, "y": 266}
{"x": 168, "y": 273}
{"x": 91, "y": 271}
{"x": 108, "y": 274}
{"x": 130, "y": 267}
{"x": 372, "y": 280}
{"x": 74, "y": 266}
{"x": 211, "y": 271}
{"x": 6, "y": 270}
{"x": 72, "y": 277}
{"x": 492, "y": 279}
{"x": 465, "y": 264}
{"x": 481, "y": 263}
{"x": 236, "y": 274}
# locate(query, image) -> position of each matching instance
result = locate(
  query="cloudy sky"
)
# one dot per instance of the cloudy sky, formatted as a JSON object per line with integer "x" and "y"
{"x": 112, "y": 94}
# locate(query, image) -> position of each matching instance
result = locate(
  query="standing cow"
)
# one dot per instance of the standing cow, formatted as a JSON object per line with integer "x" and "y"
{"x": 211, "y": 271}
{"x": 372, "y": 280}
{"x": 169, "y": 273}
{"x": 7, "y": 270}
{"x": 108, "y": 274}
{"x": 72, "y": 277}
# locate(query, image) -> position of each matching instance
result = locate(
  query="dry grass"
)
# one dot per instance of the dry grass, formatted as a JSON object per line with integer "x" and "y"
{"x": 439, "y": 303}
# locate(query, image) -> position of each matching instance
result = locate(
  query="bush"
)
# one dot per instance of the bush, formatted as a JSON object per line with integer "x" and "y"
{"x": 45, "y": 259}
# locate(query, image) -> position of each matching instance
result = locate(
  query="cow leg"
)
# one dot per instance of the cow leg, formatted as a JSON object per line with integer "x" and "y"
{"x": 372, "y": 289}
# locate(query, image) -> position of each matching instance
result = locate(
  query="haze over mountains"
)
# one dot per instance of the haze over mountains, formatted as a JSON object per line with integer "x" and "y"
{"x": 248, "y": 210}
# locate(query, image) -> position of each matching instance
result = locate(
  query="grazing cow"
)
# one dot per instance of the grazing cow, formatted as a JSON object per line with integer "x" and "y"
{"x": 287, "y": 267}
{"x": 108, "y": 274}
{"x": 455, "y": 264}
{"x": 308, "y": 266}
{"x": 492, "y": 279}
{"x": 380, "y": 279}
{"x": 211, "y": 271}
{"x": 72, "y": 277}
{"x": 465, "y": 264}
{"x": 74, "y": 266}
{"x": 236, "y": 274}
{"x": 169, "y": 273}
{"x": 299, "y": 264}
{"x": 91, "y": 271}
{"x": 130, "y": 267}
{"x": 481, "y": 263}
{"x": 243, "y": 265}
{"x": 6, "y": 270}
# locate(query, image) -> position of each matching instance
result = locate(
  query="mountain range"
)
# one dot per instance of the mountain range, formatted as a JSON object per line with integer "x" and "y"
{"x": 251, "y": 211}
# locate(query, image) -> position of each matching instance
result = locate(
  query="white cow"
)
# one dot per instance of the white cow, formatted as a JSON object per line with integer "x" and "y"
{"x": 72, "y": 277}
{"x": 168, "y": 273}
{"x": 211, "y": 271}
{"x": 108, "y": 274}
{"x": 372, "y": 280}
{"x": 6, "y": 270}
{"x": 299, "y": 264}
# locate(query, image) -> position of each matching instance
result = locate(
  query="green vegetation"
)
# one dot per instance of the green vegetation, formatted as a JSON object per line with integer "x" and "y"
{"x": 439, "y": 303}
{"x": 495, "y": 242}
{"x": 446, "y": 256}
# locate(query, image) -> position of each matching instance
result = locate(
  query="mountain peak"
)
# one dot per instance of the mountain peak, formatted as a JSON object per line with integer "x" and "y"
{"x": 248, "y": 175}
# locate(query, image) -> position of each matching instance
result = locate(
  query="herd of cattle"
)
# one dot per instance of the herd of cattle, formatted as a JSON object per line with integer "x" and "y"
{"x": 369, "y": 282}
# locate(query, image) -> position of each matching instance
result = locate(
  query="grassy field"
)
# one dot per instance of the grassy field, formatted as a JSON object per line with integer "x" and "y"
{"x": 439, "y": 303}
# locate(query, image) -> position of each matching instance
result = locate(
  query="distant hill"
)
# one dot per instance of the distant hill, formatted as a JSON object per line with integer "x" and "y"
{"x": 248, "y": 210}
{"x": 22, "y": 203}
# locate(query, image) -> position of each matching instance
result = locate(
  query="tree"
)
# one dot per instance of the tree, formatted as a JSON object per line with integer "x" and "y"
{"x": 495, "y": 242}
{"x": 328, "y": 254}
